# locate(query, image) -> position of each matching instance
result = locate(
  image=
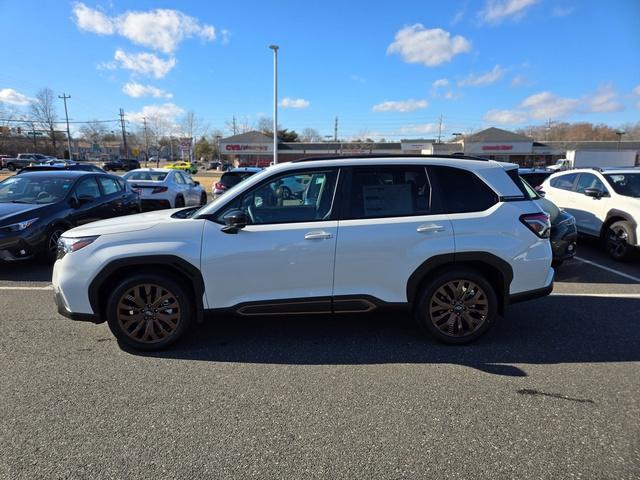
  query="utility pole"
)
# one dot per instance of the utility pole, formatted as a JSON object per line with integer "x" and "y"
{"x": 234, "y": 126}
{"x": 335, "y": 131}
{"x": 35, "y": 144}
{"x": 440, "y": 129}
{"x": 124, "y": 133}
{"x": 275, "y": 103}
{"x": 146, "y": 141}
{"x": 64, "y": 98}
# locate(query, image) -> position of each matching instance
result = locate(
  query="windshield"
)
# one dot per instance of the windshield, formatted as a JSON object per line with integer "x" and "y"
{"x": 146, "y": 176}
{"x": 37, "y": 190}
{"x": 627, "y": 184}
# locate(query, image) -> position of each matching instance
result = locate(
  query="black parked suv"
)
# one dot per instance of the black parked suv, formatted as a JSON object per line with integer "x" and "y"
{"x": 36, "y": 207}
{"x": 125, "y": 164}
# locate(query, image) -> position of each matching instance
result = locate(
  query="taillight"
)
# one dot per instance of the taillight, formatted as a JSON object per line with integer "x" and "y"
{"x": 220, "y": 186}
{"x": 159, "y": 189}
{"x": 538, "y": 223}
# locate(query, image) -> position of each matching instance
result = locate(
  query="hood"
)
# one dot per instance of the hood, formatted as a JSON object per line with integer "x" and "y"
{"x": 128, "y": 223}
{"x": 10, "y": 209}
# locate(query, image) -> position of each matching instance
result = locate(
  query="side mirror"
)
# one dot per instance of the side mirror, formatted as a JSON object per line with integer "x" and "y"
{"x": 593, "y": 192}
{"x": 235, "y": 220}
{"x": 195, "y": 182}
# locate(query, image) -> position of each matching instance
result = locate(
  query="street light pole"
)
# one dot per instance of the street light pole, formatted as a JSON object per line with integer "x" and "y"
{"x": 275, "y": 103}
{"x": 619, "y": 133}
{"x": 64, "y": 97}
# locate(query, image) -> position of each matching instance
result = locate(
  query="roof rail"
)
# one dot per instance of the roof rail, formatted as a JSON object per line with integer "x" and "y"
{"x": 387, "y": 155}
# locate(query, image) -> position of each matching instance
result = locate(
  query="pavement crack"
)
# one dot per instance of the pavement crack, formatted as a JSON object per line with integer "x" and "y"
{"x": 530, "y": 391}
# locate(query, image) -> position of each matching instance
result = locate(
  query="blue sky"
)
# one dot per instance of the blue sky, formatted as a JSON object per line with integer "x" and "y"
{"x": 386, "y": 69}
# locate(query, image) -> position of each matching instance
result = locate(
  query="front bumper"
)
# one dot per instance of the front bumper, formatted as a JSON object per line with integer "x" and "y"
{"x": 563, "y": 241}
{"x": 63, "y": 310}
{"x": 20, "y": 245}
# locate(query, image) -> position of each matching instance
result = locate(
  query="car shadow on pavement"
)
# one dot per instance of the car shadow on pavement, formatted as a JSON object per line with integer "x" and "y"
{"x": 552, "y": 330}
{"x": 25, "y": 271}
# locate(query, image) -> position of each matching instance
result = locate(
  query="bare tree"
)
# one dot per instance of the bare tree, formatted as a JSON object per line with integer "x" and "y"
{"x": 43, "y": 110}
{"x": 310, "y": 135}
{"x": 93, "y": 131}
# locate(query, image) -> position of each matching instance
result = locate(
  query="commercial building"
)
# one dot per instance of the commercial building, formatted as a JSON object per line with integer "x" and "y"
{"x": 256, "y": 148}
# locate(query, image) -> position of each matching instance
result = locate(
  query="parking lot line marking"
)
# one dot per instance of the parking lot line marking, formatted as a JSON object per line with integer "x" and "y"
{"x": 602, "y": 295}
{"x": 608, "y": 269}
{"x": 48, "y": 287}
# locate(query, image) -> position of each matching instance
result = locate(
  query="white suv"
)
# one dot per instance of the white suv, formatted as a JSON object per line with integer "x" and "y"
{"x": 605, "y": 204}
{"x": 455, "y": 240}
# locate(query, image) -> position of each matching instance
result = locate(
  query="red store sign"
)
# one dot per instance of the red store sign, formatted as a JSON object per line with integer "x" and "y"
{"x": 497, "y": 147}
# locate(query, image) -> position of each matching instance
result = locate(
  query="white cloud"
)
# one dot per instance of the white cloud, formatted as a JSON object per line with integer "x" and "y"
{"x": 225, "y": 36}
{"x": 430, "y": 47}
{"x": 604, "y": 100}
{"x": 294, "y": 103}
{"x": 138, "y": 90}
{"x": 483, "y": 79}
{"x": 496, "y": 11}
{"x": 400, "y": 106}
{"x": 167, "y": 112}
{"x": 518, "y": 80}
{"x": 441, "y": 82}
{"x": 421, "y": 128}
{"x": 145, "y": 63}
{"x": 92, "y": 20}
{"x": 457, "y": 17}
{"x": 562, "y": 11}
{"x": 506, "y": 116}
{"x": 546, "y": 105}
{"x": 9, "y": 95}
{"x": 160, "y": 29}
{"x": 636, "y": 91}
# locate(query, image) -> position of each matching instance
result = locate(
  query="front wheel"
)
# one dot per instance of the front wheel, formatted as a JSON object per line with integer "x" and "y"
{"x": 617, "y": 241}
{"x": 11, "y": 167}
{"x": 50, "y": 251}
{"x": 457, "y": 307}
{"x": 149, "y": 311}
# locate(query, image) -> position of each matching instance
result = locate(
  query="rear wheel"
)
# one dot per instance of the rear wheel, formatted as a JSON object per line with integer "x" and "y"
{"x": 179, "y": 203}
{"x": 149, "y": 311}
{"x": 617, "y": 241}
{"x": 457, "y": 307}
{"x": 11, "y": 167}
{"x": 203, "y": 199}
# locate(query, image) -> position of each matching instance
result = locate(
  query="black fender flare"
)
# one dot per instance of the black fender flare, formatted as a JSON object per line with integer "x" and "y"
{"x": 478, "y": 258}
{"x": 187, "y": 269}
{"x": 613, "y": 213}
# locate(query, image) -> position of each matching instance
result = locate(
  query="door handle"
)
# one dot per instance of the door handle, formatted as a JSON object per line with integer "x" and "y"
{"x": 319, "y": 235}
{"x": 429, "y": 228}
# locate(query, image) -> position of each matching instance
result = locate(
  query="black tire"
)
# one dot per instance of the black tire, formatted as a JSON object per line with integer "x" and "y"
{"x": 167, "y": 326}
{"x": 11, "y": 167}
{"x": 556, "y": 264}
{"x": 203, "y": 199}
{"x": 617, "y": 241}
{"x": 50, "y": 251}
{"x": 463, "y": 321}
{"x": 179, "y": 203}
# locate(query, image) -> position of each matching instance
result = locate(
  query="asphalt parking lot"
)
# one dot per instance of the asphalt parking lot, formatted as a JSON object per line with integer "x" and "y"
{"x": 552, "y": 392}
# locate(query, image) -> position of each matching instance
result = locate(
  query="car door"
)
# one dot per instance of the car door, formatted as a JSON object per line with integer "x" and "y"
{"x": 589, "y": 212}
{"x": 86, "y": 194}
{"x": 560, "y": 188}
{"x": 283, "y": 256}
{"x": 192, "y": 190}
{"x": 181, "y": 186}
{"x": 113, "y": 198}
{"x": 388, "y": 227}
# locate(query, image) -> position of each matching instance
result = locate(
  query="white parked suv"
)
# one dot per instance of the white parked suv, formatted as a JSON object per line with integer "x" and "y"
{"x": 164, "y": 188}
{"x": 455, "y": 240}
{"x": 605, "y": 204}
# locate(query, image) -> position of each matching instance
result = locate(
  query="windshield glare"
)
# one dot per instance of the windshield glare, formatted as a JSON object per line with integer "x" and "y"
{"x": 627, "y": 184}
{"x": 41, "y": 190}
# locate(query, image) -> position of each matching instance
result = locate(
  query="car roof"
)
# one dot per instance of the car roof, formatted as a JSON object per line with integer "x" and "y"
{"x": 245, "y": 169}
{"x": 58, "y": 173}
{"x": 161, "y": 170}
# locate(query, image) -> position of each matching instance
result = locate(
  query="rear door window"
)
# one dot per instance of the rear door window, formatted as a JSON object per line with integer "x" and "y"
{"x": 393, "y": 191}
{"x": 109, "y": 185}
{"x": 564, "y": 182}
{"x": 460, "y": 191}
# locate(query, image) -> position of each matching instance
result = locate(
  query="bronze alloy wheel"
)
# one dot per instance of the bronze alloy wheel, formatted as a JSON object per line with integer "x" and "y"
{"x": 148, "y": 313}
{"x": 458, "y": 308}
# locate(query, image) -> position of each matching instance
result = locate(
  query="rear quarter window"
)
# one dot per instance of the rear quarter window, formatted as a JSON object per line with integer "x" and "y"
{"x": 459, "y": 191}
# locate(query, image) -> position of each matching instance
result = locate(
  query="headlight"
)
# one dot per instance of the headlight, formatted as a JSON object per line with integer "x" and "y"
{"x": 69, "y": 245}
{"x": 18, "y": 227}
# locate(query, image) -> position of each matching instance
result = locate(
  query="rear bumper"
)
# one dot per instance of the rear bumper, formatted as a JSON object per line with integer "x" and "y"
{"x": 159, "y": 204}
{"x": 536, "y": 293}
